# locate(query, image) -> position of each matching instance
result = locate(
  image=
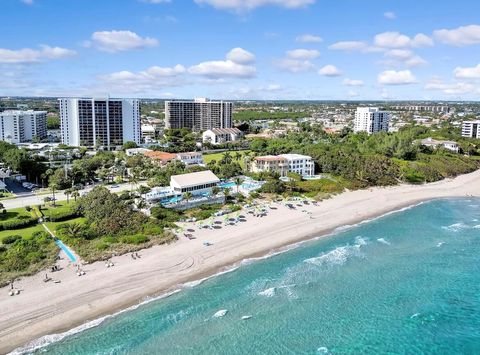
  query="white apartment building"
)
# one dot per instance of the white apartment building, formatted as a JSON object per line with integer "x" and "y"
{"x": 190, "y": 158}
{"x": 300, "y": 164}
{"x": 99, "y": 122}
{"x": 217, "y": 136}
{"x": 281, "y": 164}
{"x": 471, "y": 129}
{"x": 198, "y": 115}
{"x": 371, "y": 120}
{"x": 22, "y": 126}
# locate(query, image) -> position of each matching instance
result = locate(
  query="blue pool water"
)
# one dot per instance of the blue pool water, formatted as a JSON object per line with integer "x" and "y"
{"x": 407, "y": 283}
{"x": 67, "y": 251}
{"x": 173, "y": 199}
{"x": 227, "y": 185}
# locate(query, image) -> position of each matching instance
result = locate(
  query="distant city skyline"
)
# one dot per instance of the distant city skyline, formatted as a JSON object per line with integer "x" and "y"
{"x": 241, "y": 49}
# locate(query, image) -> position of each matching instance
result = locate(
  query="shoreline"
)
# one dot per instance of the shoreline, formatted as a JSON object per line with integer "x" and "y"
{"x": 43, "y": 309}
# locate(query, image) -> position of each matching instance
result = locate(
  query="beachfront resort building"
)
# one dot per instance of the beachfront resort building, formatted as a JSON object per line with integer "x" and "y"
{"x": 200, "y": 185}
{"x": 471, "y": 129}
{"x": 99, "y": 122}
{"x": 435, "y": 144}
{"x": 371, "y": 120}
{"x": 198, "y": 115}
{"x": 23, "y": 126}
{"x": 190, "y": 158}
{"x": 217, "y": 136}
{"x": 284, "y": 163}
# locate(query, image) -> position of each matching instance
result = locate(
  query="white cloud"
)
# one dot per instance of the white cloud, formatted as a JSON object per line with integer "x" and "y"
{"x": 240, "y": 56}
{"x": 248, "y": 5}
{"x": 352, "y": 82}
{"x": 309, "y": 38}
{"x": 117, "y": 41}
{"x": 27, "y": 2}
{"x": 398, "y": 40}
{"x": 406, "y": 56}
{"x": 467, "y": 72}
{"x": 238, "y": 63}
{"x": 28, "y": 55}
{"x": 294, "y": 65}
{"x": 393, "y": 77}
{"x": 151, "y": 78}
{"x": 390, "y": 15}
{"x": 303, "y": 54}
{"x": 460, "y": 37}
{"x": 349, "y": 46}
{"x": 330, "y": 70}
{"x": 456, "y": 88}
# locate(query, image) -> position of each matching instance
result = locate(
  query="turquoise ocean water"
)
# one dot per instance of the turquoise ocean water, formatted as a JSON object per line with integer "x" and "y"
{"x": 407, "y": 283}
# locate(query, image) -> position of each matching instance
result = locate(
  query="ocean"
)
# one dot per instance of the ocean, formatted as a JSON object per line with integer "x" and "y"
{"x": 405, "y": 283}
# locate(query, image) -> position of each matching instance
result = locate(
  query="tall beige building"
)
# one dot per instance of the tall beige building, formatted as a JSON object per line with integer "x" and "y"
{"x": 198, "y": 115}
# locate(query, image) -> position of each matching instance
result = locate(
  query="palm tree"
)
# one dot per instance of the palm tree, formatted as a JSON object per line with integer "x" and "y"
{"x": 73, "y": 230}
{"x": 226, "y": 158}
{"x": 53, "y": 187}
{"x": 68, "y": 192}
{"x": 215, "y": 190}
{"x": 226, "y": 193}
{"x": 187, "y": 196}
{"x": 75, "y": 194}
{"x": 238, "y": 156}
{"x": 238, "y": 181}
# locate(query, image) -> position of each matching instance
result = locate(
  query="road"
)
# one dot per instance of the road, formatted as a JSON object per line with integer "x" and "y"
{"x": 32, "y": 200}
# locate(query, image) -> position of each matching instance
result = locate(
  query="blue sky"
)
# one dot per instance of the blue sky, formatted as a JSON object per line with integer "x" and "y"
{"x": 241, "y": 49}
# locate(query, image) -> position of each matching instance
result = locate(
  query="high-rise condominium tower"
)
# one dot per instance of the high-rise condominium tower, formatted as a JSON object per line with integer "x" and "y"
{"x": 22, "y": 126}
{"x": 371, "y": 120}
{"x": 198, "y": 115}
{"x": 99, "y": 122}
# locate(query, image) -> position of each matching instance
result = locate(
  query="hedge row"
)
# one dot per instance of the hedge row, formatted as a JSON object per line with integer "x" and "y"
{"x": 17, "y": 223}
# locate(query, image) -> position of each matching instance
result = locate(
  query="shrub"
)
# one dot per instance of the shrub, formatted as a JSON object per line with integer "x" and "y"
{"x": 28, "y": 208}
{"x": 10, "y": 239}
{"x": 17, "y": 223}
{"x": 135, "y": 239}
{"x": 58, "y": 216}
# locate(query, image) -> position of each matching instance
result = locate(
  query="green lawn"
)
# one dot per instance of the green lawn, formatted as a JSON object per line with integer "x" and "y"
{"x": 207, "y": 158}
{"x": 18, "y": 213}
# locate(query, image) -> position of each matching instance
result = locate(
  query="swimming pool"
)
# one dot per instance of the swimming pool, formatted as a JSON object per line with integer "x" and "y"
{"x": 65, "y": 249}
{"x": 173, "y": 199}
{"x": 227, "y": 185}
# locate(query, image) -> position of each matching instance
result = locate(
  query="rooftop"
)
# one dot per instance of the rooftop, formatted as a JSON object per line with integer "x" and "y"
{"x": 295, "y": 156}
{"x": 194, "y": 179}
{"x": 163, "y": 156}
{"x": 225, "y": 131}
{"x": 270, "y": 158}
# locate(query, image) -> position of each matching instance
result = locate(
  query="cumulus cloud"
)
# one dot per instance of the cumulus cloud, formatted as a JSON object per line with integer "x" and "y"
{"x": 330, "y": 70}
{"x": 28, "y": 55}
{"x": 309, "y": 38}
{"x": 398, "y": 40}
{"x": 303, "y": 54}
{"x": 455, "y": 88}
{"x": 349, "y": 46}
{"x": 240, "y": 56}
{"x": 294, "y": 65}
{"x": 151, "y": 78}
{"x": 405, "y": 56}
{"x": 389, "y": 15}
{"x": 460, "y": 37}
{"x": 393, "y": 77}
{"x": 248, "y": 5}
{"x": 467, "y": 72}
{"x": 119, "y": 41}
{"x": 238, "y": 63}
{"x": 352, "y": 82}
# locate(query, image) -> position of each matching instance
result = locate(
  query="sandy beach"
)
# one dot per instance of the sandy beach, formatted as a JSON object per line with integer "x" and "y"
{"x": 48, "y": 308}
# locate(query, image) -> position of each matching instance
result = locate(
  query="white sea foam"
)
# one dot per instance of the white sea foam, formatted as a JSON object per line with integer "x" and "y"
{"x": 322, "y": 350}
{"x": 221, "y": 313}
{"x": 383, "y": 241}
{"x": 477, "y": 226}
{"x": 54, "y": 338}
{"x": 247, "y": 317}
{"x": 440, "y": 244}
{"x": 456, "y": 227}
{"x": 339, "y": 255}
{"x": 414, "y": 315}
{"x": 269, "y": 292}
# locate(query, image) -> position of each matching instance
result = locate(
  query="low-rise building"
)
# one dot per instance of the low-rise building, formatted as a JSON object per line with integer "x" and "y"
{"x": 161, "y": 157}
{"x": 270, "y": 163}
{"x": 221, "y": 135}
{"x": 471, "y": 129}
{"x": 137, "y": 151}
{"x": 190, "y": 158}
{"x": 284, "y": 163}
{"x": 435, "y": 144}
{"x": 300, "y": 164}
{"x": 199, "y": 183}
